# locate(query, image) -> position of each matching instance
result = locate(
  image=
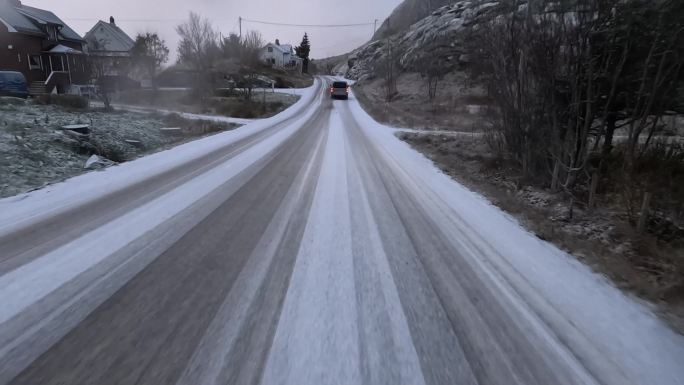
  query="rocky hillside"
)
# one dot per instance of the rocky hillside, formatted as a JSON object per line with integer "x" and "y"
{"x": 407, "y": 13}
{"x": 439, "y": 35}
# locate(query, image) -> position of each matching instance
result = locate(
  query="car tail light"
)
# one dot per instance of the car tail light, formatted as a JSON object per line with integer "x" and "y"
{"x": 332, "y": 90}
{"x": 347, "y": 89}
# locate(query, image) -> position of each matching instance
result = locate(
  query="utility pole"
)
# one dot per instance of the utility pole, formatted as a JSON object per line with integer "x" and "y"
{"x": 240, "y": 20}
{"x": 375, "y": 26}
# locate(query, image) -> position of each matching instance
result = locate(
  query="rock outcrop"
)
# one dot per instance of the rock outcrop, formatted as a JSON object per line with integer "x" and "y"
{"x": 406, "y": 14}
{"x": 437, "y": 37}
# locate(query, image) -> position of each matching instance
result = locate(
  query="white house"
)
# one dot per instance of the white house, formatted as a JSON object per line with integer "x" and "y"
{"x": 280, "y": 56}
{"x": 108, "y": 42}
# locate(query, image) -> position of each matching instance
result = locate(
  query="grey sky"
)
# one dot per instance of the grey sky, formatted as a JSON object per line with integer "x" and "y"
{"x": 163, "y": 16}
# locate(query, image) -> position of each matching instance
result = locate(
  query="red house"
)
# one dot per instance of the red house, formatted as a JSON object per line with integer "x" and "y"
{"x": 41, "y": 46}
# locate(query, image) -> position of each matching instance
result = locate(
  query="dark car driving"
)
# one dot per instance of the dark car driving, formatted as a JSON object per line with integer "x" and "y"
{"x": 339, "y": 90}
{"x": 13, "y": 84}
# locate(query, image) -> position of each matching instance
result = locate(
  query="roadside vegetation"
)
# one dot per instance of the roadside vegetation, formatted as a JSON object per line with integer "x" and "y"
{"x": 232, "y": 62}
{"x": 218, "y": 75}
{"x": 224, "y": 102}
{"x": 72, "y": 102}
{"x": 36, "y": 149}
{"x": 568, "y": 115}
{"x": 213, "y": 74}
{"x": 222, "y": 75}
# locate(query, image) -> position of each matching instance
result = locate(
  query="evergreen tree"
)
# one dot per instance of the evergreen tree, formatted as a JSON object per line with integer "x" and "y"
{"x": 231, "y": 46}
{"x": 303, "y": 51}
{"x": 150, "y": 53}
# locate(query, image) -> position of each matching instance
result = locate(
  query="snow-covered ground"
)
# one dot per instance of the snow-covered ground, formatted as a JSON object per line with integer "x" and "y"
{"x": 389, "y": 271}
{"x": 24, "y": 209}
{"x": 35, "y": 151}
{"x": 610, "y": 332}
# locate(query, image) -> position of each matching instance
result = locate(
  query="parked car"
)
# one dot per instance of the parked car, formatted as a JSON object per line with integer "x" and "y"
{"x": 339, "y": 90}
{"x": 13, "y": 84}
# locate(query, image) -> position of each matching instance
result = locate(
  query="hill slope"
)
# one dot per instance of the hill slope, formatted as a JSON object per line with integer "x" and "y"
{"x": 439, "y": 35}
{"x": 407, "y": 13}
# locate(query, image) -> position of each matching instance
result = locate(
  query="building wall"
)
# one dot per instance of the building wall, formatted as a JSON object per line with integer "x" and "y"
{"x": 275, "y": 57}
{"x": 280, "y": 59}
{"x": 25, "y": 46}
{"x": 17, "y": 58}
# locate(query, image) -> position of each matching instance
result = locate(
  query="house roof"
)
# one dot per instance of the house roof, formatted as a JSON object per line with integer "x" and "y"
{"x": 24, "y": 19}
{"x": 284, "y": 48}
{"x": 116, "y": 39}
{"x": 64, "y": 49}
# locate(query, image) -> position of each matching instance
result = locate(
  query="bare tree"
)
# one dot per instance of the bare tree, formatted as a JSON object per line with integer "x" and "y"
{"x": 564, "y": 76}
{"x": 432, "y": 70}
{"x": 387, "y": 69}
{"x": 100, "y": 68}
{"x": 198, "y": 42}
{"x": 250, "y": 62}
{"x": 199, "y": 48}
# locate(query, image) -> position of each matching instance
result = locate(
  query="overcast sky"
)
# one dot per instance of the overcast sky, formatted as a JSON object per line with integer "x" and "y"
{"x": 135, "y": 16}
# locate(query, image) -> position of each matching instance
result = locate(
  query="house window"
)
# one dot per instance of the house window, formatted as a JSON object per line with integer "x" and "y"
{"x": 52, "y": 32}
{"x": 270, "y": 49}
{"x": 34, "y": 62}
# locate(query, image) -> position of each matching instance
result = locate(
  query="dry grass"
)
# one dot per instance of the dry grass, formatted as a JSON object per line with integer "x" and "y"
{"x": 72, "y": 102}
{"x": 454, "y": 108}
{"x": 261, "y": 105}
{"x": 646, "y": 265}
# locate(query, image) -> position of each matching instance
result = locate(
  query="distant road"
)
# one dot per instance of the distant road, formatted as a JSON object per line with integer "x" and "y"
{"x": 309, "y": 248}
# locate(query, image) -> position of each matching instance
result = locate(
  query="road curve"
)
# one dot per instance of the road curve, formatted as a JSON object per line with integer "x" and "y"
{"x": 317, "y": 250}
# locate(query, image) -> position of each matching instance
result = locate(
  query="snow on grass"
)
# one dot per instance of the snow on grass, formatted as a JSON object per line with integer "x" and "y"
{"x": 612, "y": 334}
{"x": 23, "y": 210}
{"x": 34, "y": 150}
{"x": 186, "y": 115}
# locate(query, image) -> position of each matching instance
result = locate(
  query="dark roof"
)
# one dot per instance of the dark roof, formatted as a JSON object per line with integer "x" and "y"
{"x": 25, "y": 19}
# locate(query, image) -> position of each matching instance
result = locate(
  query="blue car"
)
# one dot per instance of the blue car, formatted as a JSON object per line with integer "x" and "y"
{"x": 13, "y": 83}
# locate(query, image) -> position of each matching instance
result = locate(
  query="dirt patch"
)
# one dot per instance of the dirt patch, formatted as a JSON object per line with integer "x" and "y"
{"x": 455, "y": 107}
{"x": 35, "y": 151}
{"x": 648, "y": 265}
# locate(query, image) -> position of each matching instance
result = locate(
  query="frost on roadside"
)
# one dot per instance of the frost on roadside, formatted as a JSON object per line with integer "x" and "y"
{"x": 35, "y": 151}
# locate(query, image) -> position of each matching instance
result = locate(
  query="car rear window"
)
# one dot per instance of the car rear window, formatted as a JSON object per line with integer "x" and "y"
{"x": 339, "y": 85}
{"x": 12, "y": 77}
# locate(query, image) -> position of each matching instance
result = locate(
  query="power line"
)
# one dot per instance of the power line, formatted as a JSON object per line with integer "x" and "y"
{"x": 243, "y": 19}
{"x": 309, "y": 25}
{"x": 129, "y": 20}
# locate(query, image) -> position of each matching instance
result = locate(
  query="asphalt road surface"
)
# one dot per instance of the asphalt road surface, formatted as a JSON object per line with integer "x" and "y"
{"x": 310, "y": 252}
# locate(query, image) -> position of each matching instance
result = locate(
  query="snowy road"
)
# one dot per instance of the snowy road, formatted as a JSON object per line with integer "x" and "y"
{"x": 309, "y": 248}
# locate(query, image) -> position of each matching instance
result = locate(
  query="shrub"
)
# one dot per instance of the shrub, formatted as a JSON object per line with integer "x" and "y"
{"x": 10, "y": 101}
{"x": 225, "y": 93}
{"x": 196, "y": 127}
{"x": 67, "y": 101}
{"x": 283, "y": 83}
